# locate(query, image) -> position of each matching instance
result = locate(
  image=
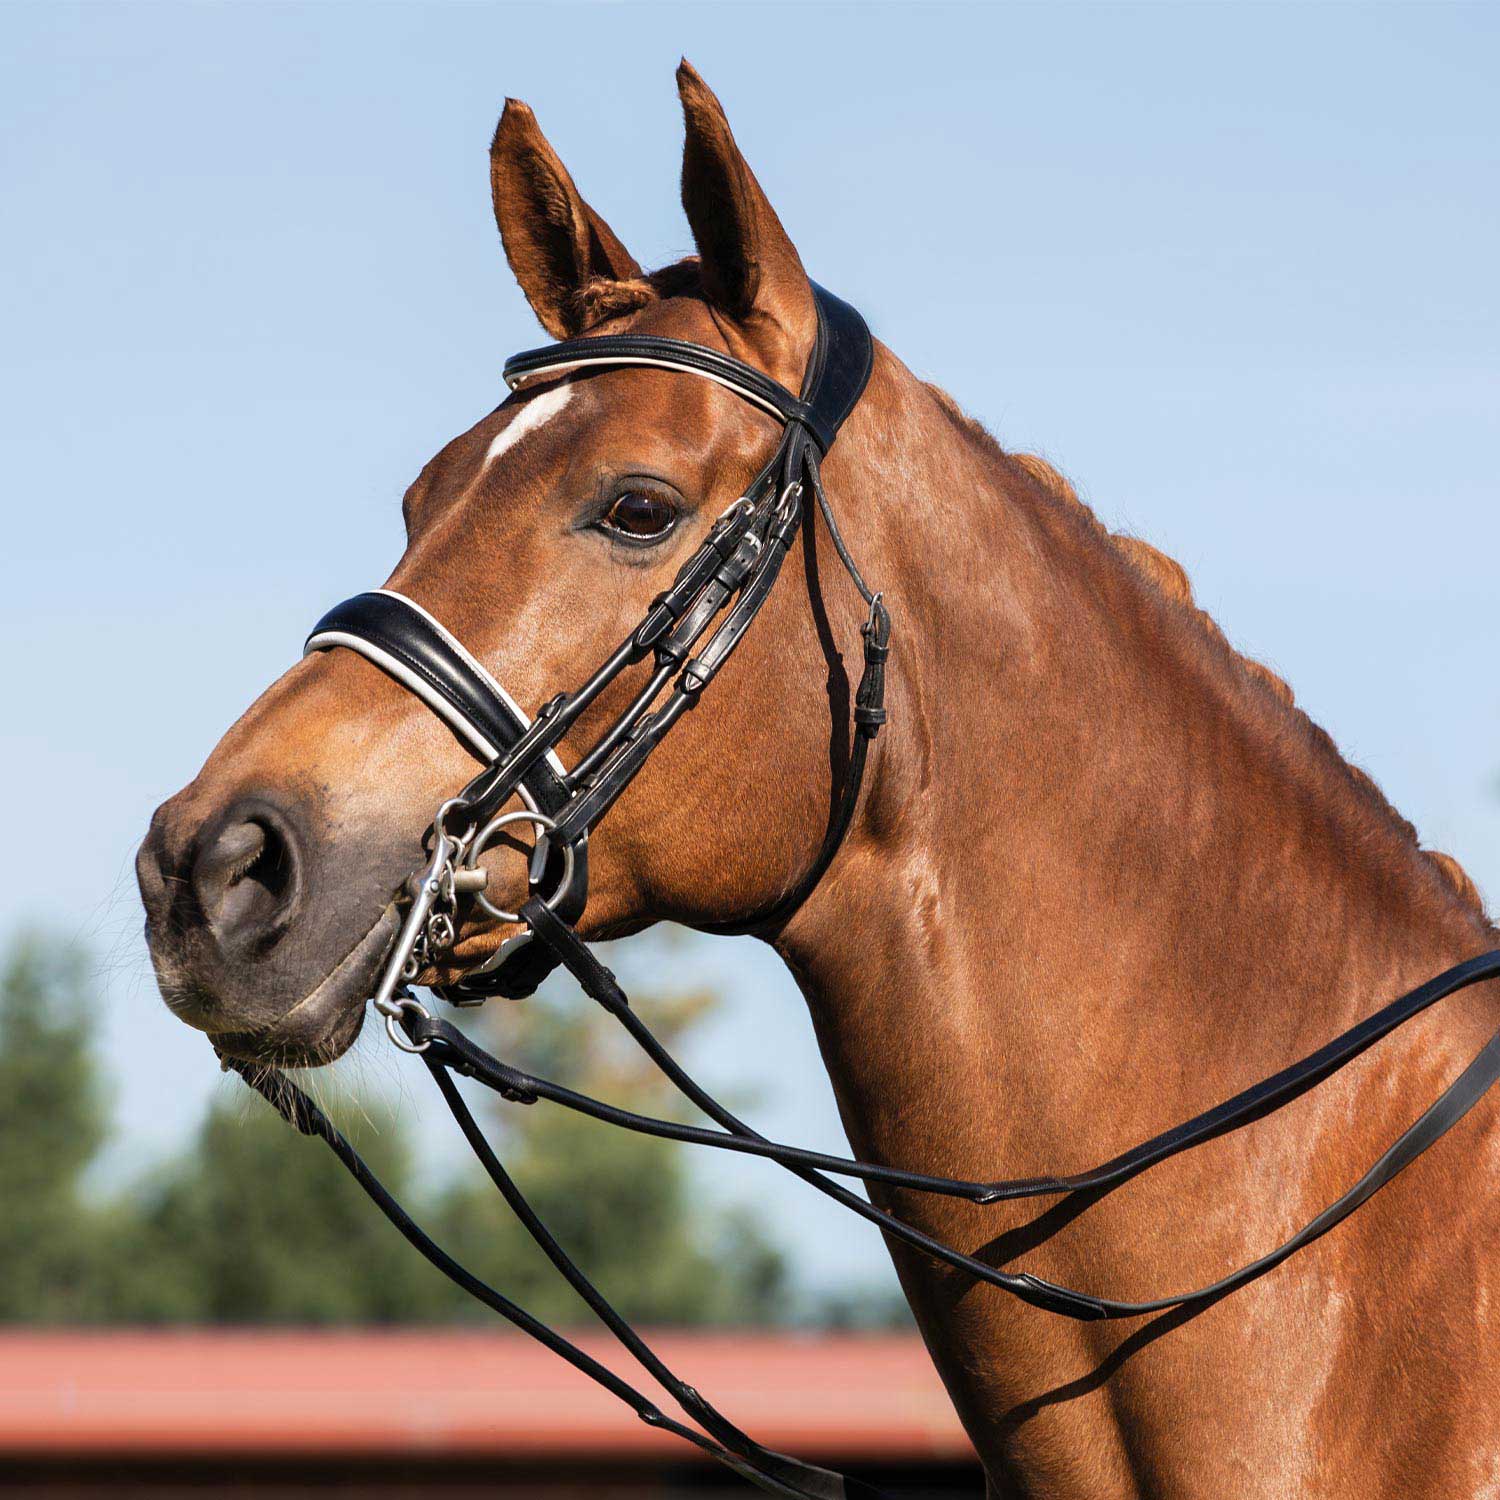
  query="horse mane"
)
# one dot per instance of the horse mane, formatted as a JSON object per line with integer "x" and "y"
{"x": 601, "y": 299}
{"x": 1170, "y": 580}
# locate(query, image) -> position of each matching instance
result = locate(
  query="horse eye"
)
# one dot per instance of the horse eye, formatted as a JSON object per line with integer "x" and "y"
{"x": 640, "y": 516}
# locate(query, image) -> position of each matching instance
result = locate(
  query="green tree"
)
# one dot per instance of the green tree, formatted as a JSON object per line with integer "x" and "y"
{"x": 254, "y": 1223}
{"x": 52, "y": 1123}
{"x": 257, "y": 1224}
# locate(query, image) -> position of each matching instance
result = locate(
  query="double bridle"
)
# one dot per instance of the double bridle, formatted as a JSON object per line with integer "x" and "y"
{"x": 688, "y": 632}
{"x": 727, "y": 580}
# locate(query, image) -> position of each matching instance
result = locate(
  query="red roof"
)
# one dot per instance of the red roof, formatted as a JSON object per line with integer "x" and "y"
{"x": 424, "y": 1394}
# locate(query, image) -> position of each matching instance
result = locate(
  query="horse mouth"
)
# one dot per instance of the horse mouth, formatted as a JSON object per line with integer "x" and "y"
{"x": 323, "y": 1025}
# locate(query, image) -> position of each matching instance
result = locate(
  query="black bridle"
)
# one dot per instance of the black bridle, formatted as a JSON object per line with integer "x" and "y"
{"x": 726, "y": 580}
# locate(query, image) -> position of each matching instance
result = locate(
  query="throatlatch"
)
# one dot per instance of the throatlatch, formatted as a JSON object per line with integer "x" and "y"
{"x": 689, "y": 632}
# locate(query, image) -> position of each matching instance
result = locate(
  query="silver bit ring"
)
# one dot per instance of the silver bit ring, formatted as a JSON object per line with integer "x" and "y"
{"x": 498, "y": 824}
{"x": 392, "y": 1009}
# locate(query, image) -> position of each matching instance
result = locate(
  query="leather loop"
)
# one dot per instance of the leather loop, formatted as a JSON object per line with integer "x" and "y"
{"x": 869, "y": 699}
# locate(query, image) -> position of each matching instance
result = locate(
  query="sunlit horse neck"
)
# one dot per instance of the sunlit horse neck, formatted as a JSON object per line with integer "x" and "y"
{"x": 1108, "y": 875}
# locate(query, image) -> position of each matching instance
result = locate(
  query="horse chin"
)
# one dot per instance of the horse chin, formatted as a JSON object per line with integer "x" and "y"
{"x": 323, "y": 1025}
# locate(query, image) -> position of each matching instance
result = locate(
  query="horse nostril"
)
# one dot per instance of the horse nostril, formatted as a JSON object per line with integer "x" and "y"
{"x": 247, "y": 877}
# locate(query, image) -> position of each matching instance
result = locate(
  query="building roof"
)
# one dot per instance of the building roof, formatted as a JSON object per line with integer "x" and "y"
{"x": 409, "y": 1393}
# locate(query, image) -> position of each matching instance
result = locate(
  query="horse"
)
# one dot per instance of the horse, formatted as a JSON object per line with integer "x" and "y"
{"x": 1103, "y": 873}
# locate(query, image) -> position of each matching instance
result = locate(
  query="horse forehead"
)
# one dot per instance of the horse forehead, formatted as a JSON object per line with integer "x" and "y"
{"x": 542, "y": 408}
{"x": 630, "y": 401}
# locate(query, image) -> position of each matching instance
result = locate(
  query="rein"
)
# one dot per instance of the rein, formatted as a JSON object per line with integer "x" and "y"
{"x": 729, "y": 576}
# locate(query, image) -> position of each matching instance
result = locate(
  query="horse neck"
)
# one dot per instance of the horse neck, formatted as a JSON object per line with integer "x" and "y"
{"x": 1104, "y": 877}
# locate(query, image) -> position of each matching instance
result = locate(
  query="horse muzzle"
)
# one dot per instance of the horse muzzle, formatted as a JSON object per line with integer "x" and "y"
{"x": 259, "y": 934}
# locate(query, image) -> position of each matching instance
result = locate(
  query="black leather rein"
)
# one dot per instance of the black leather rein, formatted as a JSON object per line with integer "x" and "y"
{"x": 689, "y": 631}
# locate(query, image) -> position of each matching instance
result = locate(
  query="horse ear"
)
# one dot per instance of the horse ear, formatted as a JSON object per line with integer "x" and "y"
{"x": 559, "y": 248}
{"x": 751, "y": 270}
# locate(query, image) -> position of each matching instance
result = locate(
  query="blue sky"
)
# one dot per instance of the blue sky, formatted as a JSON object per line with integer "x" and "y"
{"x": 1231, "y": 267}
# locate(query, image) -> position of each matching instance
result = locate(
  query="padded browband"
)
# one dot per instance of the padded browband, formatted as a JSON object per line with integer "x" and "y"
{"x": 837, "y": 372}
{"x": 408, "y": 644}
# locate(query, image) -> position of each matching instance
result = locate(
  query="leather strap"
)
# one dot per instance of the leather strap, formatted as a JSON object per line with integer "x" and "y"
{"x": 719, "y": 1438}
{"x": 411, "y": 646}
{"x": 837, "y": 372}
{"x": 869, "y": 718}
{"x": 1254, "y": 1103}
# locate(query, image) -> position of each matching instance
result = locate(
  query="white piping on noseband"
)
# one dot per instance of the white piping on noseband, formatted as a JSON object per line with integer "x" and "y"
{"x": 479, "y": 668}
{"x": 419, "y": 687}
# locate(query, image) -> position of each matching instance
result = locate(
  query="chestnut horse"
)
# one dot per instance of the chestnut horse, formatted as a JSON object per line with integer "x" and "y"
{"x": 1103, "y": 875}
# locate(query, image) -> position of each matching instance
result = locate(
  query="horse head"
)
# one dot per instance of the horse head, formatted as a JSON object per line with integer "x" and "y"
{"x": 274, "y": 882}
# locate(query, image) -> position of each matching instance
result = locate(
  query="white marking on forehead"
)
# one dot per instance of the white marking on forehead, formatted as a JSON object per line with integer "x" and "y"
{"x": 531, "y": 416}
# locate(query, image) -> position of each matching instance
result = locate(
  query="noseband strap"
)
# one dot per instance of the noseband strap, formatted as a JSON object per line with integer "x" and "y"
{"x": 408, "y": 644}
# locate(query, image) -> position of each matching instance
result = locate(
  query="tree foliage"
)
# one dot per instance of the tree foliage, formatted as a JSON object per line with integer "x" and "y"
{"x": 253, "y": 1223}
{"x": 52, "y": 1124}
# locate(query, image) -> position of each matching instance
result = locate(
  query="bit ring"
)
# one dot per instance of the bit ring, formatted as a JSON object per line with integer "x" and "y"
{"x": 392, "y": 1010}
{"x": 538, "y": 820}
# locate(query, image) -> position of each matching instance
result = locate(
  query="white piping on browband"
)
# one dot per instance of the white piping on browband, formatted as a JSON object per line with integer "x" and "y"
{"x": 661, "y": 364}
{"x": 478, "y": 667}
